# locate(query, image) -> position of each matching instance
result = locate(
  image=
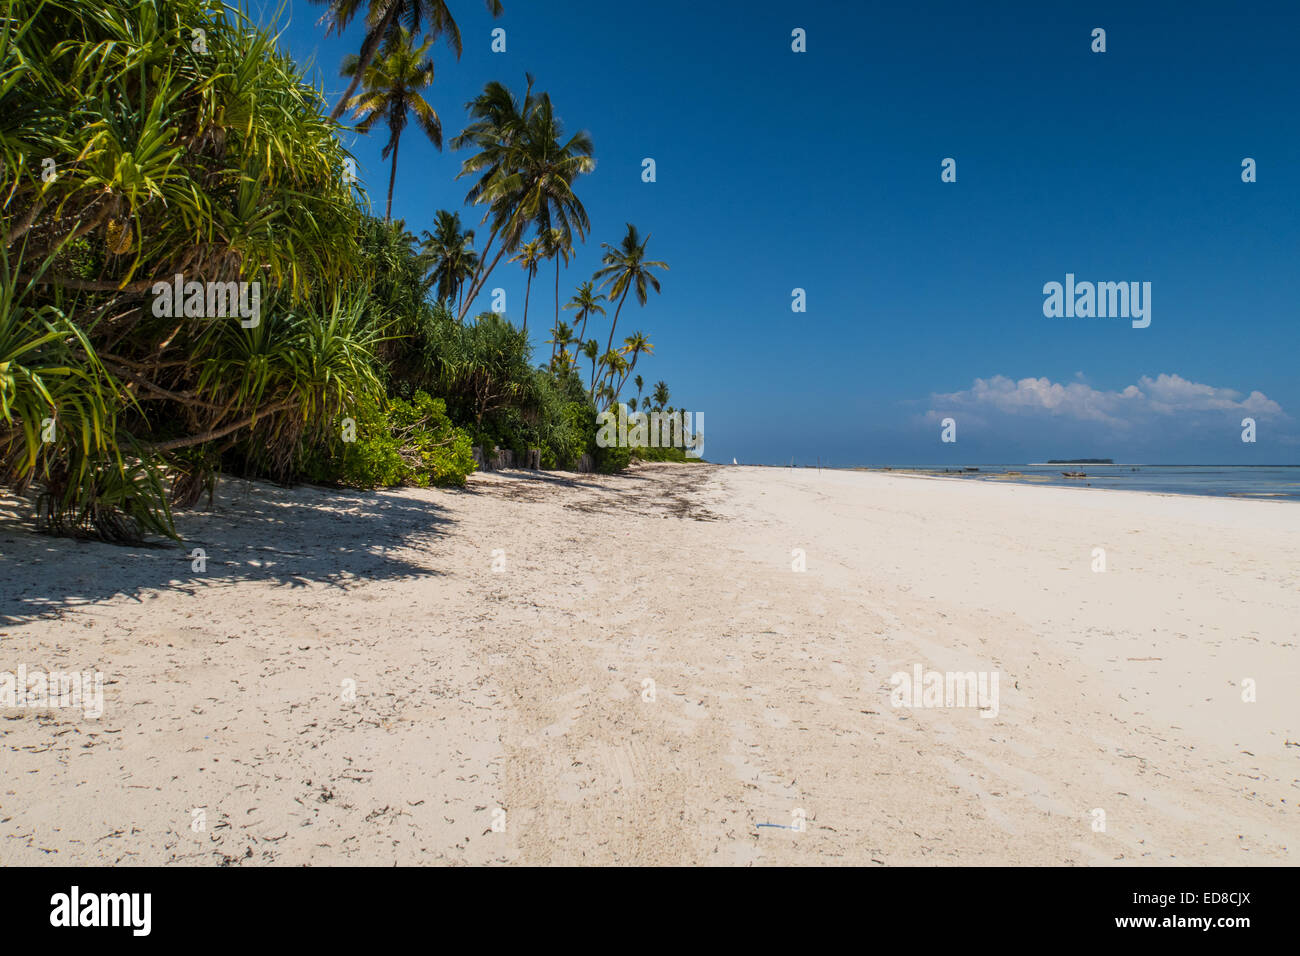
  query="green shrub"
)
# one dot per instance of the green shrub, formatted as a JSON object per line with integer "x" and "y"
{"x": 670, "y": 453}
{"x": 408, "y": 443}
{"x": 436, "y": 452}
{"x": 571, "y": 437}
{"x": 609, "y": 460}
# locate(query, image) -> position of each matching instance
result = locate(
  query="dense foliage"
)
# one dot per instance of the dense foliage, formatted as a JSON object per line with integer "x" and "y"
{"x": 401, "y": 443}
{"x": 143, "y": 140}
{"x": 154, "y": 150}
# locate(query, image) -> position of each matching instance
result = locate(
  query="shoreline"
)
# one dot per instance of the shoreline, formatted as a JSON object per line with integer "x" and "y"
{"x": 1031, "y": 480}
{"x": 994, "y": 478}
{"x": 1051, "y": 483}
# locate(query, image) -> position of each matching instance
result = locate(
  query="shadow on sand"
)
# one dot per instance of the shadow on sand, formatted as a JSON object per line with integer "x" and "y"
{"x": 256, "y": 532}
{"x": 536, "y": 485}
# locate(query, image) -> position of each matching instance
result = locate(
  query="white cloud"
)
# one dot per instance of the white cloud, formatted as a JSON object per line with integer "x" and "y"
{"x": 1151, "y": 400}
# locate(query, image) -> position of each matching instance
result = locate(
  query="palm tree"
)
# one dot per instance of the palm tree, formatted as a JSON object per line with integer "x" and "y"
{"x": 586, "y": 301}
{"x": 625, "y": 269}
{"x": 525, "y": 171}
{"x": 382, "y": 17}
{"x": 573, "y": 357}
{"x": 393, "y": 85}
{"x": 449, "y": 252}
{"x": 614, "y": 363}
{"x": 592, "y": 349}
{"x": 639, "y": 382}
{"x": 661, "y": 395}
{"x": 558, "y": 247}
{"x": 531, "y": 256}
{"x": 634, "y": 345}
{"x": 561, "y": 336}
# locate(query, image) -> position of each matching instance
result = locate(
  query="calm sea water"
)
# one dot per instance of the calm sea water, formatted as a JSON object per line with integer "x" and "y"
{"x": 1278, "y": 482}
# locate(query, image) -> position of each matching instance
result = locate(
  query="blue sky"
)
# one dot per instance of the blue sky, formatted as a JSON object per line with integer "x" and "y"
{"x": 821, "y": 170}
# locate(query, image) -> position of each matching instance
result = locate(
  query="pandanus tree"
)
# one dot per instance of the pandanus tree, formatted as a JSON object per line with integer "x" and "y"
{"x": 449, "y": 254}
{"x": 383, "y": 17}
{"x": 393, "y": 83}
{"x": 482, "y": 367}
{"x": 525, "y": 171}
{"x": 626, "y": 269}
{"x": 220, "y": 166}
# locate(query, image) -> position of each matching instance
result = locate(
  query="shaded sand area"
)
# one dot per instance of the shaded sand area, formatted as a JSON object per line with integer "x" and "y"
{"x": 523, "y": 689}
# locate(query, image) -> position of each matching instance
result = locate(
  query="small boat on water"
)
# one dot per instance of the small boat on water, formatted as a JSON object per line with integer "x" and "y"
{"x": 1073, "y": 474}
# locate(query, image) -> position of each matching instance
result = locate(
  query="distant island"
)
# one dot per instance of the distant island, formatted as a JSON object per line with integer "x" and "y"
{"x": 1081, "y": 461}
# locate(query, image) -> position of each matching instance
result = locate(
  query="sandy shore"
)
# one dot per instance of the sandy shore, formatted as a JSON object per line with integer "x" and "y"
{"x": 523, "y": 689}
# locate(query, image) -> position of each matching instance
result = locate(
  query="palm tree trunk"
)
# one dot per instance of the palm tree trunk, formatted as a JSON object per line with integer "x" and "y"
{"x": 367, "y": 54}
{"x": 482, "y": 278}
{"x": 392, "y": 177}
{"x": 473, "y": 277}
{"x": 557, "y": 289}
{"x": 527, "y": 289}
{"x": 613, "y": 325}
{"x": 626, "y": 375}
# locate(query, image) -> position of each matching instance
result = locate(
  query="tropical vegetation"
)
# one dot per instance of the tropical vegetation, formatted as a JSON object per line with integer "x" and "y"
{"x": 157, "y": 150}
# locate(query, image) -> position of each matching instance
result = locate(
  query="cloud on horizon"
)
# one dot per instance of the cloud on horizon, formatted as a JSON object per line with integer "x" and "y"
{"x": 1160, "y": 401}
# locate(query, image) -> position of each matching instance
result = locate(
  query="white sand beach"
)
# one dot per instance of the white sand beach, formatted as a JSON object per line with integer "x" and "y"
{"x": 522, "y": 689}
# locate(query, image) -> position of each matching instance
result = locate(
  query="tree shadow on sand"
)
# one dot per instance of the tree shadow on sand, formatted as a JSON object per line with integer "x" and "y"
{"x": 664, "y": 492}
{"x": 256, "y": 532}
{"x": 525, "y": 485}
